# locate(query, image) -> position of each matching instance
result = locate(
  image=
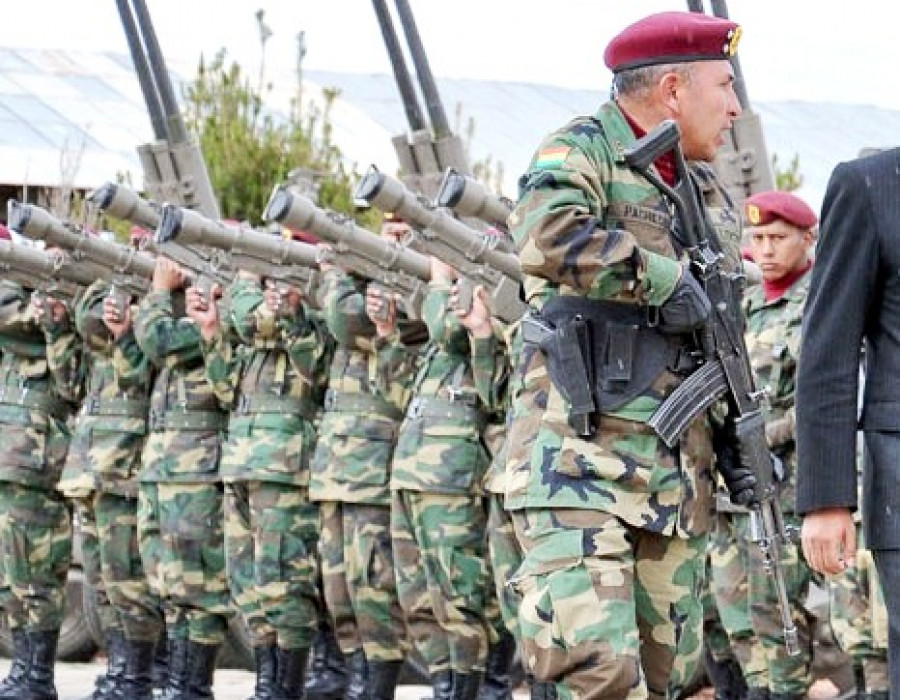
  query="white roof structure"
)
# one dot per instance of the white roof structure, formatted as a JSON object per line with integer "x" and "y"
{"x": 76, "y": 118}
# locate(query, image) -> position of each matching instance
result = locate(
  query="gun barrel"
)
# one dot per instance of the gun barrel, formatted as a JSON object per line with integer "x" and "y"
{"x": 36, "y": 223}
{"x": 468, "y": 197}
{"x": 295, "y": 211}
{"x": 191, "y": 228}
{"x": 389, "y": 194}
{"x": 43, "y": 265}
{"x": 126, "y": 204}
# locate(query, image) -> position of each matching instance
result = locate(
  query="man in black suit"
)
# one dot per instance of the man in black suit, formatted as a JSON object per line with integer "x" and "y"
{"x": 854, "y": 300}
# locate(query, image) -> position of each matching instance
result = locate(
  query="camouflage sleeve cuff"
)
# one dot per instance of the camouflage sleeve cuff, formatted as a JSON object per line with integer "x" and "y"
{"x": 660, "y": 275}
{"x": 159, "y": 298}
{"x": 483, "y": 348}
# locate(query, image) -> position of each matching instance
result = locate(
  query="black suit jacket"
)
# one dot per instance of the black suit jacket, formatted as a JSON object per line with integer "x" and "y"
{"x": 854, "y": 297}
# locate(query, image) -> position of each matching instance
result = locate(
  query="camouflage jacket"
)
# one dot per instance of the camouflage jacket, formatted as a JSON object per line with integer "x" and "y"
{"x": 186, "y": 420}
{"x": 36, "y": 398}
{"x": 497, "y": 432}
{"x": 268, "y": 380}
{"x": 359, "y": 425}
{"x": 773, "y": 341}
{"x": 587, "y": 225}
{"x": 111, "y": 427}
{"x": 440, "y": 447}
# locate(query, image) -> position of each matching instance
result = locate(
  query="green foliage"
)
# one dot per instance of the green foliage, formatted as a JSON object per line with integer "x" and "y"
{"x": 789, "y": 179}
{"x": 248, "y": 149}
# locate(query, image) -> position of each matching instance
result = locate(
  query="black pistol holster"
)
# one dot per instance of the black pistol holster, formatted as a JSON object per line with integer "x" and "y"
{"x": 603, "y": 354}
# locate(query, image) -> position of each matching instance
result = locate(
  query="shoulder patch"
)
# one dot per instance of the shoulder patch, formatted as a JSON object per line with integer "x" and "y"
{"x": 552, "y": 157}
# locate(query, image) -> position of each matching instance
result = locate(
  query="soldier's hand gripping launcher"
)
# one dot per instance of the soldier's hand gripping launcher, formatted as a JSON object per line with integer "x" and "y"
{"x": 725, "y": 372}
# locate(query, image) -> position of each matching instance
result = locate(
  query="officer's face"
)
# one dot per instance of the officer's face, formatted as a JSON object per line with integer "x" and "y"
{"x": 780, "y": 249}
{"x": 706, "y": 107}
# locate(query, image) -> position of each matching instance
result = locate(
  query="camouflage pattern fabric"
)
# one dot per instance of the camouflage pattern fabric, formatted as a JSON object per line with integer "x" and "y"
{"x": 182, "y": 454}
{"x": 91, "y": 564}
{"x": 505, "y": 557}
{"x": 586, "y": 225}
{"x": 586, "y": 576}
{"x": 111, "y": 427}
{"x": 185, "y": 416}
{"x": 358, "y": 427}
{"x": 127, "y": 585}
{"x": 858, "y": 617}
{"x": 442, "y": 577}
{"x": 729, "y": 562}
{"x": 334, "y": 576}
{"x": 193, "y": 558}
{"x": 150, "y": 543}
{"x": 36, "y": 550}
{"x": 278, "y": 595}
{"x": 371, "y": 581}
{"x": 773, "y": 341}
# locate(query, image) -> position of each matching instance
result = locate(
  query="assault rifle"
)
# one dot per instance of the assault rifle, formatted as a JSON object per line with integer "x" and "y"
{"x": 355, "y": 248}
{"x": 479, "y": 257}
{"x": 271, "y": 256}
{"x": 51, "y": 272}
{"x": 726, "y": 372}
{"x": 203, "y": 265}
{"x": 124, "y": 267}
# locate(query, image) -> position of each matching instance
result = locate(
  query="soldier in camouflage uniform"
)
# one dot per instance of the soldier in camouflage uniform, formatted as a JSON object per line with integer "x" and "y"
{"x": 36, "y": 400}
{"x": 181, "y": 489}
{"x": 271, "y": 528}
{"x": 350, "y": 479}
{"x": 613, "y": 523}
{"x": 438, "y": 512}
{"x": 105, "y": 452}
{"x": 781, "y": 237}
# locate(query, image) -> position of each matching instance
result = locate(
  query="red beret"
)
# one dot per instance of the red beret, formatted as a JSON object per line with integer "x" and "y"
{"x": 672, "y": 37}
{"x": 765, "y": 207}
{"x": 4, "y": 233}
{"x": 302, "y": 236}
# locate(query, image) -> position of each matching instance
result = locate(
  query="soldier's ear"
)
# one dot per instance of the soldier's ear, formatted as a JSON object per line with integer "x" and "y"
{"x": 667, "y": 89}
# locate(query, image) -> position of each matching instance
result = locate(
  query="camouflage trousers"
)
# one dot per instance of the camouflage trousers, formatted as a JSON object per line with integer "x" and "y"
{"x": 84, "y": 518}
{"x": 505, "y": 558}
{"x": 334, "y": 576}
{"x": 729, "y": 566}
{"x": 440, "y": 558}
{"x": 126, "y": 583}
{"x": 608, "y": 610}
{"x": 189, "y": 555}
{"x": 35, "y": 553}
{"x": 859, "y": 618}
{"x": 271, "y": 531}
{"x": 790, "y": 675}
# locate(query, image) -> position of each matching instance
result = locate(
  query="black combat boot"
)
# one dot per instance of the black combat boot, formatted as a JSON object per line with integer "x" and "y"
{"x": 465, "y": 686}
{"x": 115, "y": 665}
{"x": 442, "y": 685}
{"x": 757, "y": 693}
{"x": 726, "y": 676}
{"x": 357, "y": 676}
{"x": 176, "y": 684}
{"x": 497, "y": 684}
{"x": 292, "y": 665}
{"x": 161, "y": 660}
{"x": 326, "y": 677}
{"x": 382, "y": 680}
{"x": 21, "y": 657}
{"x": 541, "y": 690}
{"x": 201, "y": 669}
{"x": 37, "y": 683}
{"x": 136, "y": 683}
{"x": 266, "y": 662}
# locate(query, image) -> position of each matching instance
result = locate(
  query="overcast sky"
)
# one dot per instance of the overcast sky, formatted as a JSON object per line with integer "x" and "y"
{"x": 791, "y": 49}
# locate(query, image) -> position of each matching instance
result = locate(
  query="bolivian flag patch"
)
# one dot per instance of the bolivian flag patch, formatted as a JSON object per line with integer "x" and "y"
{"x": 552, "y": 157}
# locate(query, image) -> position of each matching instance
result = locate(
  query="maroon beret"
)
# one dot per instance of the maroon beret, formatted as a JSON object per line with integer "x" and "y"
{"x": 765, "y": 207}
{"x": 672, "y": 37}
{"x": 4, "y": 233}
